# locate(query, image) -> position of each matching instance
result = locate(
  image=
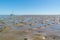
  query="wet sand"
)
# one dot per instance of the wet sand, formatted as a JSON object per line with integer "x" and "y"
{"x": 20, "y": 27}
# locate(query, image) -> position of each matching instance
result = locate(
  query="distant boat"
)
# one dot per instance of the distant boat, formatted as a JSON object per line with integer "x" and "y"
{"x": 11, "y": 14}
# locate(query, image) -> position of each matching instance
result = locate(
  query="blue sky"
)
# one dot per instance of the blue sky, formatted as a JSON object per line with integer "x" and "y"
{"x": 30, "y": 7}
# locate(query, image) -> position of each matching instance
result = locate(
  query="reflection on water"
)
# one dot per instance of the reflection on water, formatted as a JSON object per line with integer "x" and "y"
{"x": 35, "y": 20}
{"x": 54, "y": 27}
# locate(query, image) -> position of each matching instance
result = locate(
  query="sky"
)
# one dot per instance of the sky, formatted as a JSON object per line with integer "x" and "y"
{"x": 30, "y": 7}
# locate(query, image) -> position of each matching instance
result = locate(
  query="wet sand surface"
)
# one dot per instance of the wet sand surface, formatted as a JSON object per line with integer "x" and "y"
{"x": 31, "y": 27}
